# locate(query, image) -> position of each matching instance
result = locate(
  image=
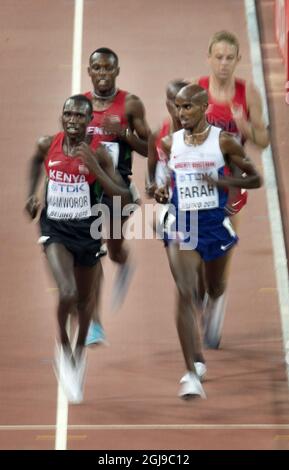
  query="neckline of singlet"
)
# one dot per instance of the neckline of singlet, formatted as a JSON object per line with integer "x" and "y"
{"x": 221, "y": 103}
{"x": 109, "y": 105}
{"x": 199, "y": 133}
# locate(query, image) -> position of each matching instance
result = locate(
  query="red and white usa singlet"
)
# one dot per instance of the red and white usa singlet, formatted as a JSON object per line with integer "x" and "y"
{"x": 219, "y": 114}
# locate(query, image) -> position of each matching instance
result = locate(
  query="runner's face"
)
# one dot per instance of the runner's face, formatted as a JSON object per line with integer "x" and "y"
{"x": 189, "y": 112}
{"x": 75, "y": 118}
{"x": 223, "y": 60}
{"x": 103, "y": 72}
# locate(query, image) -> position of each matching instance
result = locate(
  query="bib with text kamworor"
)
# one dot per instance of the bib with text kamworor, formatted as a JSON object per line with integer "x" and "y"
{"x": 68, "y": 201}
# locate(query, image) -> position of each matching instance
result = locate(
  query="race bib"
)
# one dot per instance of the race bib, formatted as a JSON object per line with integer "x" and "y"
{"x": 113, "y": 150}
{"x": 68, "y": 201}
{"x": 194, "y": 193}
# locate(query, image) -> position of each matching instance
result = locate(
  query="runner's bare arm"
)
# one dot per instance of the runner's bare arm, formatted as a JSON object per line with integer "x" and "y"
{"x": 166, "y": 144}
{"x": 109, "y": 179}
{"x": 151, "y": 164}
{"x": 254, "y": 129}
{"x": 138, "y": 132}
{"x": 106, "y": 163}
{"x": 162, "y": 194}
{"x": 42, "y": 147}
{"x": 234, "y": 154}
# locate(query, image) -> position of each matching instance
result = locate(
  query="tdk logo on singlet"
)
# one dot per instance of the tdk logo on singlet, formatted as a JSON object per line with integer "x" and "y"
{"x": 191, "y": 177}
{"x": 68, "y": 188}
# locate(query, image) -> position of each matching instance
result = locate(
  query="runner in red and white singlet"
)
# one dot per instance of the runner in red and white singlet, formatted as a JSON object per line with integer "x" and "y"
{"x": 220, "y": 114}
{"x": 236, "y": 107}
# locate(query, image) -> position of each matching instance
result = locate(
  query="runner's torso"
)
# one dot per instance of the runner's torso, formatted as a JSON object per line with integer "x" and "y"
{"x": 119, "y": 150}
{"x": 219, "y": 114}
{"x": 188, "y": 163}
{"x": 71, "y": 191}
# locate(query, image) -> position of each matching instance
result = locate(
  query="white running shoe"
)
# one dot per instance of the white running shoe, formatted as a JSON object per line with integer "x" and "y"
{"x": 121, "y": 284}
{"x": 79, "y": 376}
{"x": 64, "y": 369}
{"x": 69, "y": 375}
{"x": 201, "y": 370}
{"x": 191, "y": 387}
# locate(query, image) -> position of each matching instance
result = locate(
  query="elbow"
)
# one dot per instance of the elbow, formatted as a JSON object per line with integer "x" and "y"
{"x": 254, "y": 181}
{"x": 146, "y": 150}
{"x": 264, "y": 144}
{"x": 258, "y": 182}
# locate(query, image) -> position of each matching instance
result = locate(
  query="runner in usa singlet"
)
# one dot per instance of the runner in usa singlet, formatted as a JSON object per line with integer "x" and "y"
{"x": 219, "y": 114}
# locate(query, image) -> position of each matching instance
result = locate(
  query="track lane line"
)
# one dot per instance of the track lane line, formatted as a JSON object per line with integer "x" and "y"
{"x": 279, "y": 252}
{"x": 62, "y": 403}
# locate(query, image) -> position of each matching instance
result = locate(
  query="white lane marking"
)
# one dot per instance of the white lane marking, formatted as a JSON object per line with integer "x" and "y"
{"x": 124, "y": 427}
{"x": 61, "y": 420}
{"x": 62, "y": 403}
{"x": 77, "y": 47}
{"x": 280, "y": 260}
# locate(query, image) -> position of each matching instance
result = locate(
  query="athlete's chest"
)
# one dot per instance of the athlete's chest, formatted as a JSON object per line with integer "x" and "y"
{"x": 62, "y": 168}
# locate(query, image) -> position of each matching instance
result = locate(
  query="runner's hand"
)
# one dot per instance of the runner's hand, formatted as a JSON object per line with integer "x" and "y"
{"x": 32, "y": 206}
{"x": 112, "y": 125}
{"x": 88, "y": 156}
{"x": 237, "y": 112}
{"x": 221, "y": 183}
{"x": 238, "y": 116}
{"x": 162, "y": 195}
{"x": 150, "y": 189}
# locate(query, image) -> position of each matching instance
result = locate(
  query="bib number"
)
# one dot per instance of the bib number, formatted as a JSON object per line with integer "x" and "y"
{"x": 68, "y": 201}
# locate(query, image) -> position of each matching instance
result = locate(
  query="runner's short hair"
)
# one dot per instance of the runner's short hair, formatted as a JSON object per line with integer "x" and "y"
{"x": 107, "y": 51}
{"x": 177, "y": 84}
{"x": 81, "y": 99}
{"x": 225, "y": 36}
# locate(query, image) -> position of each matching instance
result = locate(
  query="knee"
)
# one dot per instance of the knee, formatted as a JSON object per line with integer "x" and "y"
{"x": 117, "y": 254}
{"x": 85, "y": 304}
{"x": 186, "y": 293}
{"x": 216, "y": 290}
{"x": 67, "y": 295}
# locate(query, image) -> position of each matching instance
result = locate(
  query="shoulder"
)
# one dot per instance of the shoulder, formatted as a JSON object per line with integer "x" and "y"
{"x": 202, "y": 81}
{"x": 133, "y": 104}
{"x": 167, "y": 142}
{"x": 133, "y": 100}
{"x": 252, "y": 94}
{"x": 227, "y": 137}
{"x": 228, "y": 143}
{"x": 44, "y": 142}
